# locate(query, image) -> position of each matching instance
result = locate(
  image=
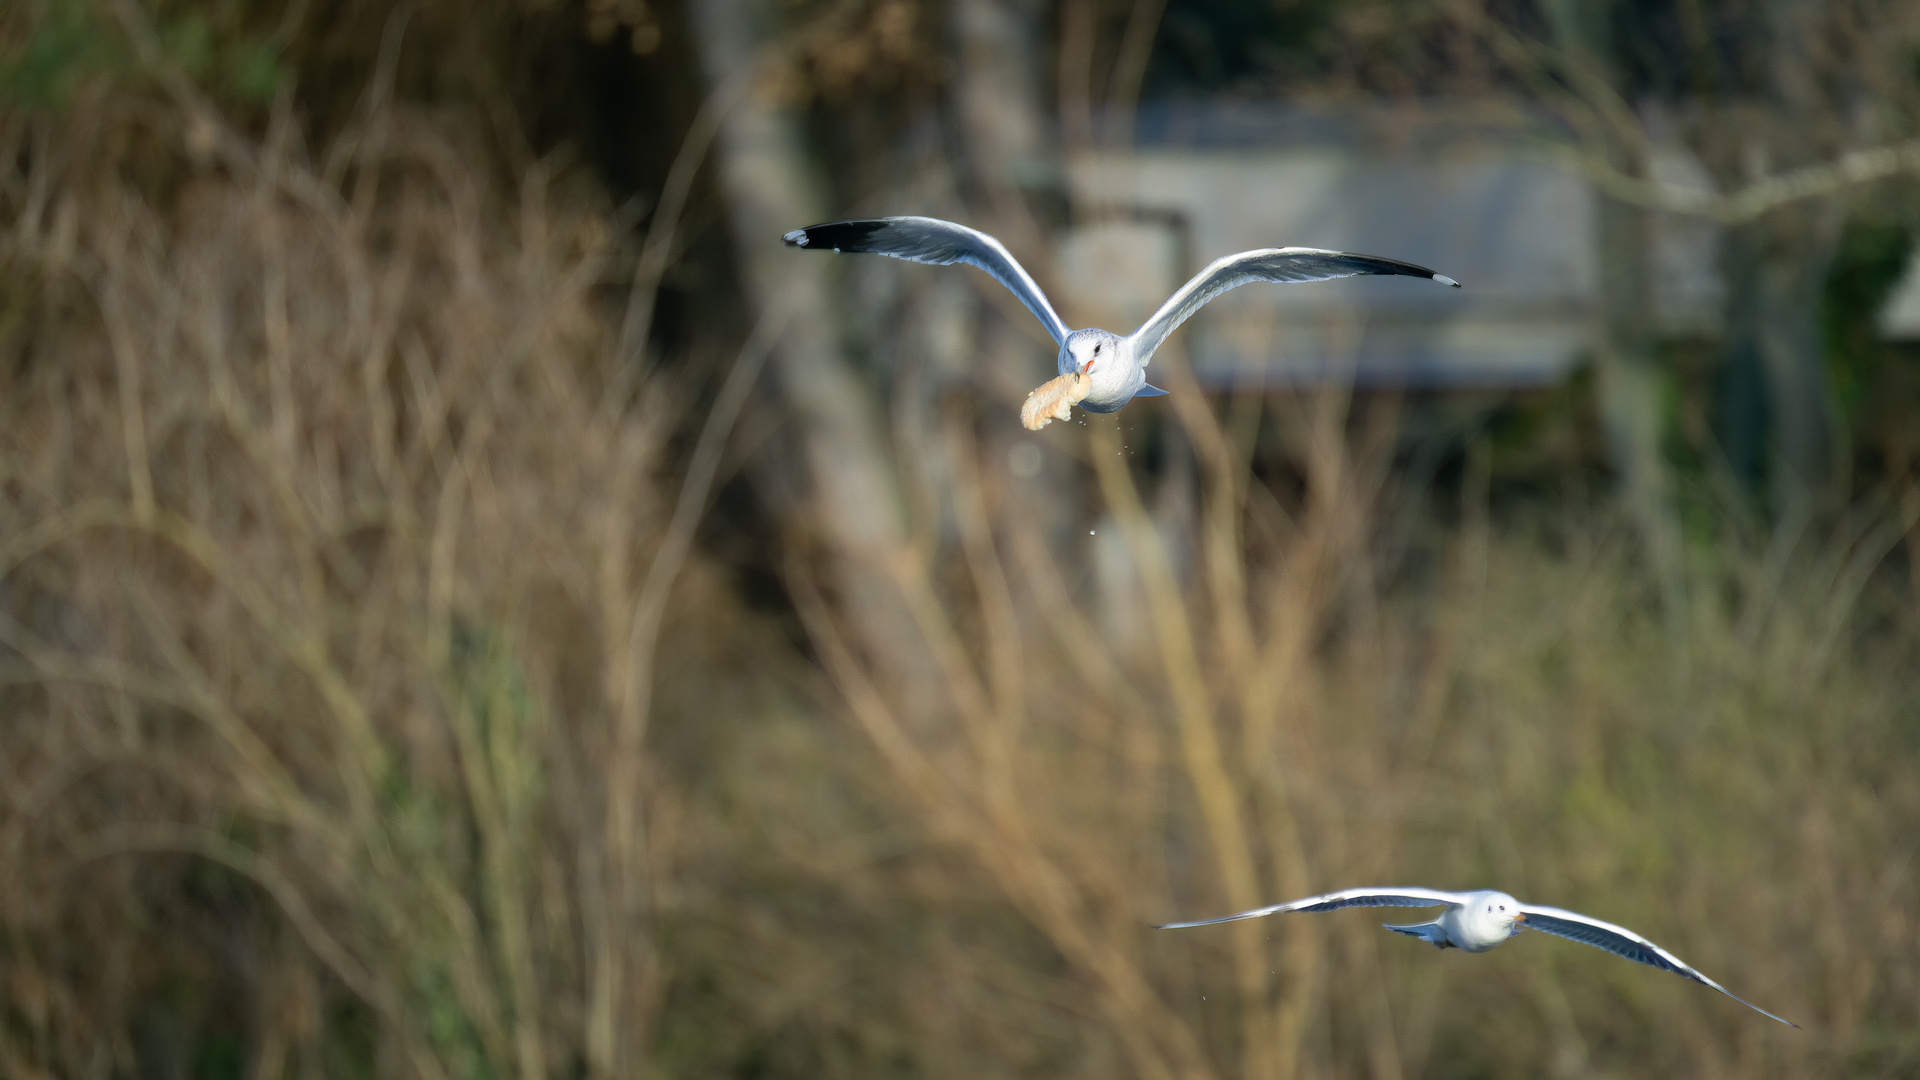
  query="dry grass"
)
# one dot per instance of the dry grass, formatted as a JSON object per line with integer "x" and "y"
{"x": 332, "y": 556}
{"x": 1297, "y": 709}
{"x": 334, "y": 550}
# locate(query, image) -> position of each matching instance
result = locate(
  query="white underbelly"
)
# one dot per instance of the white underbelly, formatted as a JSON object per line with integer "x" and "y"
{"x": 1114, "y": 389}
{"x": 1472, "y": 935}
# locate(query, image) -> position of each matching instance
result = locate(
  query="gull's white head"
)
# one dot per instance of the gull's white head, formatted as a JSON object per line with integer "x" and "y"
{"x": 1499, "y": 909}
{"x": 1483, "y": 920}
{"x": 1092, "y": 350}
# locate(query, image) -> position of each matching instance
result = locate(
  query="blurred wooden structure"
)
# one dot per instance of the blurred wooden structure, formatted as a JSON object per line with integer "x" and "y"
{"x": 1484, "y": 194}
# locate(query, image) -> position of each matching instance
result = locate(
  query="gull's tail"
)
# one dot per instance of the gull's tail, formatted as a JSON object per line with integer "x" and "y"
{"x": 1426, "y": 931}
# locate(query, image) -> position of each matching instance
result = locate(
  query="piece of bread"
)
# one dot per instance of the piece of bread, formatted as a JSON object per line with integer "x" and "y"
{"x": 1055, "y": 400}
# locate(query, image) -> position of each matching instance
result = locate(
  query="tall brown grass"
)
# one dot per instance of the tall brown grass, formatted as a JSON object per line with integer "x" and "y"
{"x": 365, "y": 708}
{"x": 335, "y": 547}
{"x": 1301, "y": 705}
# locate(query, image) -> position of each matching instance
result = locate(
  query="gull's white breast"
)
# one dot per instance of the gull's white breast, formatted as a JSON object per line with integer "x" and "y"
{"x": 1116, "y": 379}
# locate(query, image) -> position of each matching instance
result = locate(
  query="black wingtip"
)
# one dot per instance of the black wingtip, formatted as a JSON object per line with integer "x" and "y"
{"x": 844, "y": 236}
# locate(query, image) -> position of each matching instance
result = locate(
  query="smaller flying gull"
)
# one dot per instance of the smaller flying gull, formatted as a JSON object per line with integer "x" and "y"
{"x": 1099, "y": 370}
{"x": 1478, "y": 921}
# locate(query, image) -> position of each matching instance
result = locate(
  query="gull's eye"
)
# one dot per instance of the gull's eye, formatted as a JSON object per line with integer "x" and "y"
{"x": 1503, "y": 907}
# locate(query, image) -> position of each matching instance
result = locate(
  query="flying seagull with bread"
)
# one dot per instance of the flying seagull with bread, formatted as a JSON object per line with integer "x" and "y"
{"x": 1478, "y": 921}
{"x": 1099, "y": 370}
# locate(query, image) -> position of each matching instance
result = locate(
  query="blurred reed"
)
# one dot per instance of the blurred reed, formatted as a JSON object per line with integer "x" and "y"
{"x": 334, "y": 549}
{"x": 1332, "y": 689}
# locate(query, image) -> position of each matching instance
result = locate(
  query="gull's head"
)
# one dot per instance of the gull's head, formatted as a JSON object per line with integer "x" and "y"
{"x": 1090, "y": 350}
{"x": 1501, "y": 910}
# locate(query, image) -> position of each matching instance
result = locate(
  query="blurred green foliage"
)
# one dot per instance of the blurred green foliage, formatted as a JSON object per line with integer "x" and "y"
{"x": 62, "y": 44}
{"x": 1871, "y": 257}
{"x": 65, "y": 44}
{"x": 1206, "y": 46}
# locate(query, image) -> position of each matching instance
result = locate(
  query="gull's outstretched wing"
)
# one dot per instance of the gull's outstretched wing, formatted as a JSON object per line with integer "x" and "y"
{"x": 940, "y": 243}
{"x": 1621, "y": 941}
{"x": 1267, "y": 264}
{"x": 1346, "y": 898}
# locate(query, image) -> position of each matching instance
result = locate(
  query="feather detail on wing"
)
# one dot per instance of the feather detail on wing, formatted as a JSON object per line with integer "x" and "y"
{"x": 1267, "y": 264}
{"x": 1371, "y": 897}
{"x": 937, "y": 243}
{"x": 1624, "y": 943}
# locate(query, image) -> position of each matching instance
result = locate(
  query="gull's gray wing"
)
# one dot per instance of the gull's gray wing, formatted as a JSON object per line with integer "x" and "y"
{"x": 939, "y": 243}
{"x": 1267, "y": 264}
{"x": 1621, "y": 941}
{"x": 1411, "y": 896}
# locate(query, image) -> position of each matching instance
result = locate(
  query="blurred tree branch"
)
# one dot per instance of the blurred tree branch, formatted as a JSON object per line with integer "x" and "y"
{"x": 1760, "y": 197}
{"x": 1767, "y": 91}
{"x": 1580, "y": 74}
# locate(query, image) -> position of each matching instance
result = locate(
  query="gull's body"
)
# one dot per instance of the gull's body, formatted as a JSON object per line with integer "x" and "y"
{"x": 1116, "y": 365}
{"x": 1478, "y": 921}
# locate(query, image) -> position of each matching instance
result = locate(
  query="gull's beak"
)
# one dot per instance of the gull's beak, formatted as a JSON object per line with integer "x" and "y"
{"x": 1520, "y": 918}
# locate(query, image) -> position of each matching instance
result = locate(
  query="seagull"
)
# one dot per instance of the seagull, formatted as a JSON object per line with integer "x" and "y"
{"x": 1115, "y": 365}
{"x": 1478, "y": 921}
